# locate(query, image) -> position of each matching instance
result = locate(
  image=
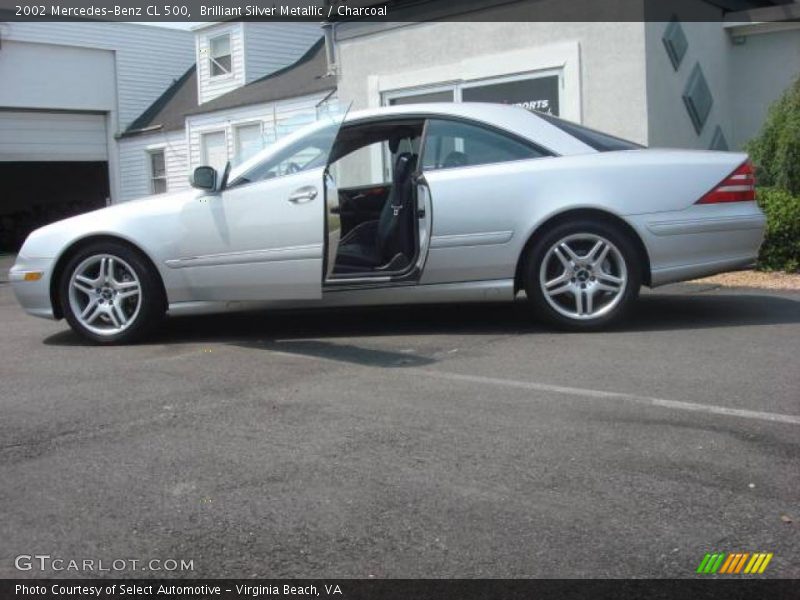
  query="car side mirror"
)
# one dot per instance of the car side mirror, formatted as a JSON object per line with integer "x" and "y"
{"x": 204, "y": 178}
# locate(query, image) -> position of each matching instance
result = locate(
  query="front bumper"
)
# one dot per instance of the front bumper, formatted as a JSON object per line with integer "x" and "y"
{"x": 33, "y": 293}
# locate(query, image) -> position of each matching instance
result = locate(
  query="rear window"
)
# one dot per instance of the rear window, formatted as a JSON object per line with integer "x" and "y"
{"x": 602, "y": 142}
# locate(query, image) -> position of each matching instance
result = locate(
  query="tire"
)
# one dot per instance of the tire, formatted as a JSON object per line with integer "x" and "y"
{"x": 588, "y": 288}
{"x": 110, "y": 294}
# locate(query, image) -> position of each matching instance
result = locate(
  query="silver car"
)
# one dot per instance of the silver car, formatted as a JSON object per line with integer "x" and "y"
{"x": 400, "y": 205}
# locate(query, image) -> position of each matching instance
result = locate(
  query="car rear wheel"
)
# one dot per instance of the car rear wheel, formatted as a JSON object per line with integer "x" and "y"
{"x": 109, "y": 294}
{"x": 582, "y": 275}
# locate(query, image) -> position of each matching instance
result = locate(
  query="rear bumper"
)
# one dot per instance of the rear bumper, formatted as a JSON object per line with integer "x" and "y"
{"x": 33, "y": 295}
{"x": 701, "y": 240}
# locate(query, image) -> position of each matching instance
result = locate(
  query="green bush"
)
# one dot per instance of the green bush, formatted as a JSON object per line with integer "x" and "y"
{"x": 776, "y": 150}
{"x": 781, "y": 248}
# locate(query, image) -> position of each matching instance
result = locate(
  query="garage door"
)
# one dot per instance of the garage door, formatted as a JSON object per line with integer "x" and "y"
{"x": 38, "y": 136}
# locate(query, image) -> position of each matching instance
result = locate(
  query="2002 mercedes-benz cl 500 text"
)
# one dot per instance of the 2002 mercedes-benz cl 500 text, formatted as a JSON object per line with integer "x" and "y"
{"x": 401, "y": 205}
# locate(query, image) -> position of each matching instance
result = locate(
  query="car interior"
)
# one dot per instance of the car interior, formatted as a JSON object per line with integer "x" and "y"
{"x": 377, "y": 210}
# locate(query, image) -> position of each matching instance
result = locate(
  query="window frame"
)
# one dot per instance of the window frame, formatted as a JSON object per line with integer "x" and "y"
{"x": 212, "y": 60}
{"x": 544, "y": 152}
{"x": 151, "y": 176}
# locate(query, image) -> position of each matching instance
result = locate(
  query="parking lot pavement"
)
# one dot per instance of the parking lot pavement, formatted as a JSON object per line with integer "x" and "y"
{"x": 446, "y": 441}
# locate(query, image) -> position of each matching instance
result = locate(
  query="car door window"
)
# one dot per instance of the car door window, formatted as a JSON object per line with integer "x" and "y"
{"x": 451, "y": 144}
{"x": 307, "y": 152}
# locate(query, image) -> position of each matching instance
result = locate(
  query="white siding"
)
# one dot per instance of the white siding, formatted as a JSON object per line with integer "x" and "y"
{"x": 148, "y": 58}
{"x": 272, "y": 46}
{"x": 211, "y": 87}
{"x": 42, "y": 136}
{"x": 277, "y": 119}
{"x": 134, "y": 167}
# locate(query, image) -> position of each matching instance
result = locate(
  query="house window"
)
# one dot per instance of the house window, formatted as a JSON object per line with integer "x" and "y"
{"x": 220, "y": 61}
{"x": 158, "y": 171}
{"x": 248, "y": 141}
{"x": 214, "y": 149}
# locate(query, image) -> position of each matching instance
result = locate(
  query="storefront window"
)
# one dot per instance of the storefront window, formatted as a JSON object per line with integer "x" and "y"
{"x": 537, "y": 93}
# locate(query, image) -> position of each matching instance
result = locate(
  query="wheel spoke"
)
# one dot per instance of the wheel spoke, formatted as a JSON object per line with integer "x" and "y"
{"x": 126, "y": 286}
{"x": 578, "y": 292}
{"x": 123, "y": 318}
{"x": 564, "y": 277}
{"x": 89, "y": 307}
{"x": 109, "y": 271}
{"x": 560, "y": 289}
{"x": 98, "y": 310}
{"x": 112, "y": 314}
{"x": 561, "y": 257}
{"x": 609, "y": 280}
{"x": 83, "y": 284}
{"x": 128, "y": 294}
{"x": 589, "y": 301}
{"x": 599, "y": 253}
{"x": 573, "y": 258}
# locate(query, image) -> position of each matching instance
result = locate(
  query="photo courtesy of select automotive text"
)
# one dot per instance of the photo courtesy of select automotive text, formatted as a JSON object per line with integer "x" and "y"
{"x": 400, "y": 300}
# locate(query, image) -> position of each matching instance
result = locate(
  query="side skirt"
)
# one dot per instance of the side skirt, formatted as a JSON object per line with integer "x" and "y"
{"x": 500, "y": 290}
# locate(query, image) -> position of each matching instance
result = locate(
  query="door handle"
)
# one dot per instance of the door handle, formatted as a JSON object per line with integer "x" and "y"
{"x": 303, "y": 195}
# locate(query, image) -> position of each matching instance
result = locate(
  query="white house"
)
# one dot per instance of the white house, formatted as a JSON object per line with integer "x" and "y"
{"x": 251, "y": 84}
{"x": 66, "y": 90}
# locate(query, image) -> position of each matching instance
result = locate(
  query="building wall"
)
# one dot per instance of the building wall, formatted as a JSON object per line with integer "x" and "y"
{"x": 135, "y": 168}
{"x": 762, "y": 67}
{"x": 603, "y": 64}
{"x": 669, "y": 122}
{"x": 272, "y": 46}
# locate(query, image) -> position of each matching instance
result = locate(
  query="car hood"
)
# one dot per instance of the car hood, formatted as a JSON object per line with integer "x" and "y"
{"x": 119, "y": 219}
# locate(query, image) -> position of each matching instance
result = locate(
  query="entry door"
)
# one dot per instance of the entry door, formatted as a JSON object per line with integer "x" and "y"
{"x": 262, "y": 241}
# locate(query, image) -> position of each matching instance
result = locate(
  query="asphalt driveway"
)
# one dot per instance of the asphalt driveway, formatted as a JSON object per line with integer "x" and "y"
{"x": 446, "y": 441}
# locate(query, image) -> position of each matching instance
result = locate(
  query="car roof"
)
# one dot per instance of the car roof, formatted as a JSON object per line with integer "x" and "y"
{"x": 513, "y": 119}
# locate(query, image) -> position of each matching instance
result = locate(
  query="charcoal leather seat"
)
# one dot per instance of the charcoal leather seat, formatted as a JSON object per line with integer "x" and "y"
{"x": 376, "y": 243}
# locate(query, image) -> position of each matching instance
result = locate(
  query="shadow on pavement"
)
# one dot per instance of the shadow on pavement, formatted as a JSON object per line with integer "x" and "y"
{"x": 653, "y": 312}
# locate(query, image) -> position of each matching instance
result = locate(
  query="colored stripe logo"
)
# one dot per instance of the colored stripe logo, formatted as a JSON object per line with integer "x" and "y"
{"x": 734, "y": 563}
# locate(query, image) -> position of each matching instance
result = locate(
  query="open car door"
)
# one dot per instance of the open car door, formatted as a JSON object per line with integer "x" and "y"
{"x": 262, "y": 236}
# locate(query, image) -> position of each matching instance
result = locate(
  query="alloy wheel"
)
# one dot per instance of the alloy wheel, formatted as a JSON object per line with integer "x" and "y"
{"x": 583, "y": 276}
{"x": 105, "y": 294}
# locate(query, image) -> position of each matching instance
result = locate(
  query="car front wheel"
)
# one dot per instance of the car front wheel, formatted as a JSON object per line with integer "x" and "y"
{"x": 582, "y": 275}
{"x": 109, "y": 294}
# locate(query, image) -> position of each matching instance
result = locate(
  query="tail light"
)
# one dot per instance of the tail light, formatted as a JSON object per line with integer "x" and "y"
{"x": 739, "y": 186}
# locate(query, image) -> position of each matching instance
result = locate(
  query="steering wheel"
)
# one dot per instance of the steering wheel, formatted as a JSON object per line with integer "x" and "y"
{"x": 292, "y": 167}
